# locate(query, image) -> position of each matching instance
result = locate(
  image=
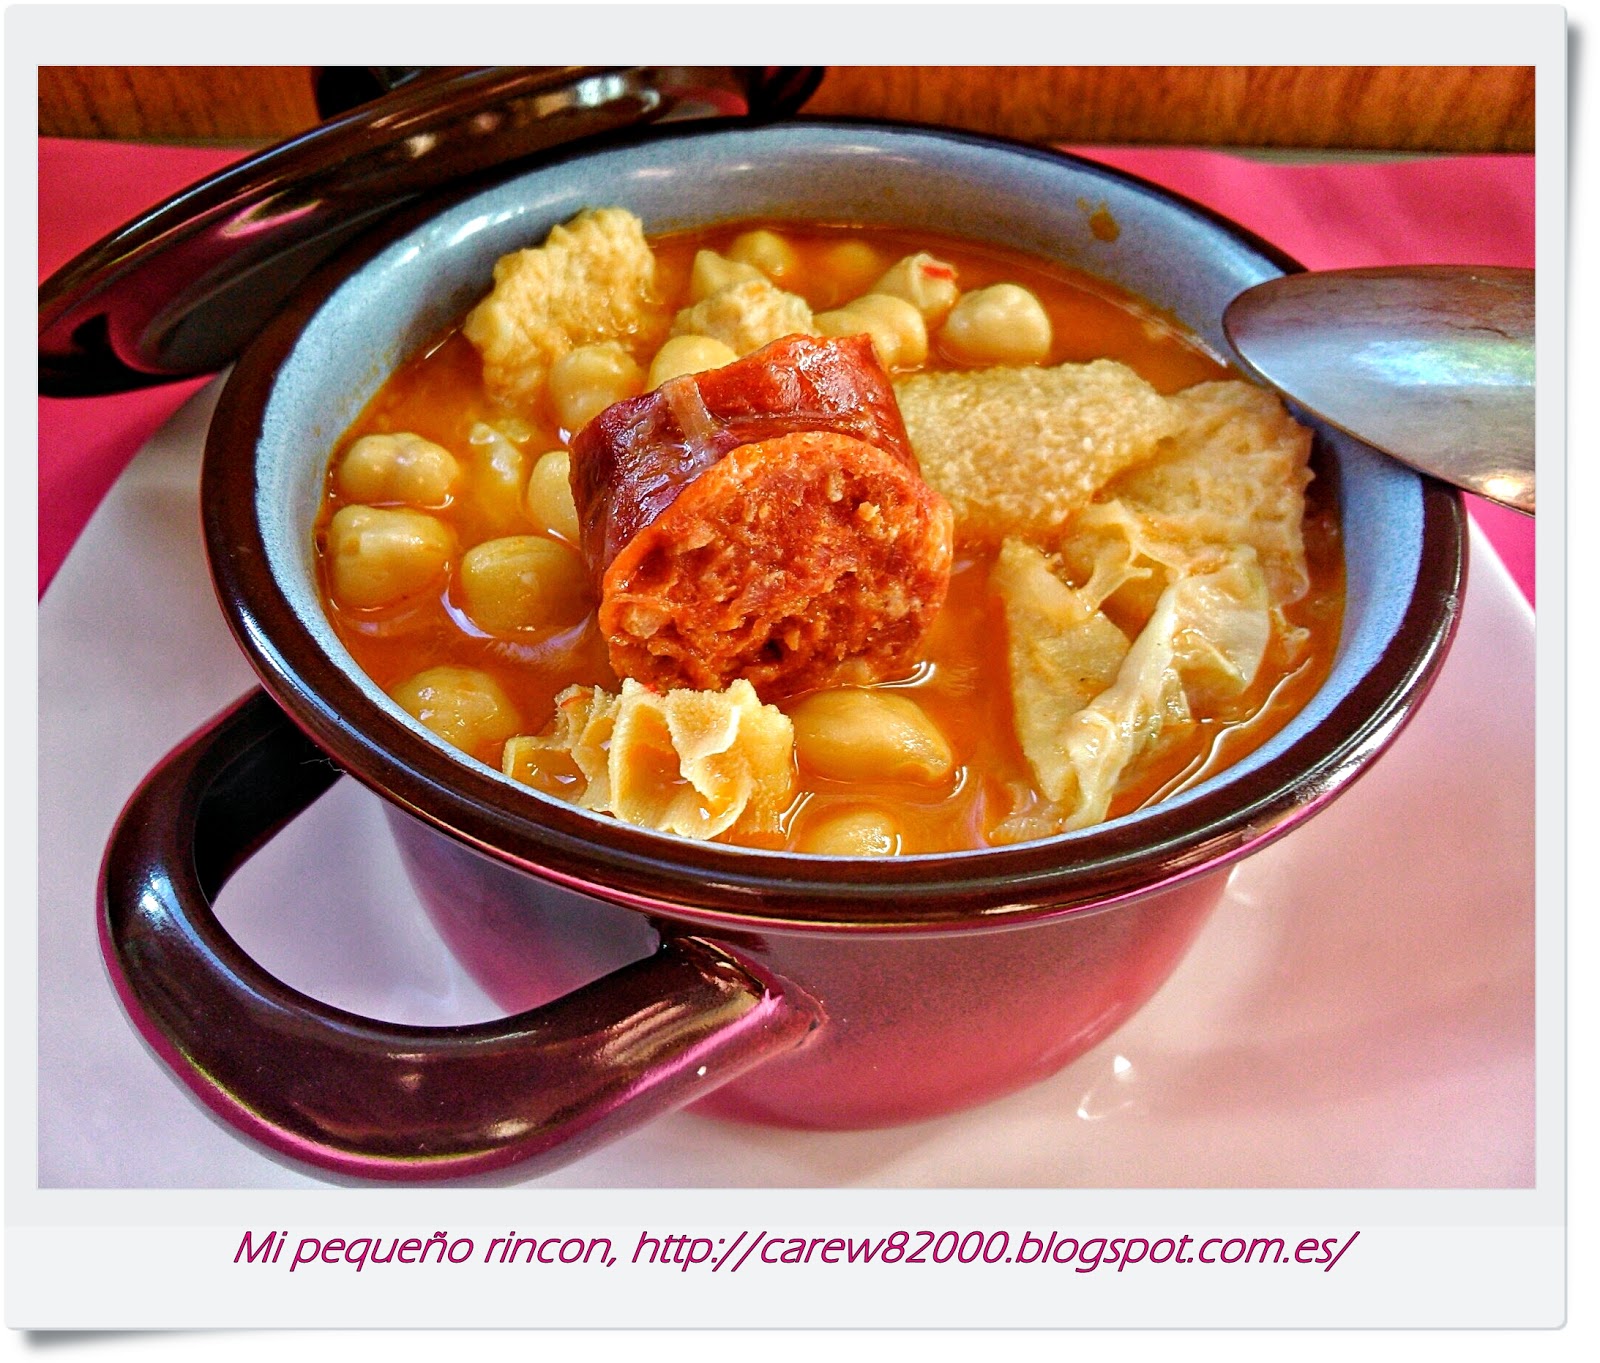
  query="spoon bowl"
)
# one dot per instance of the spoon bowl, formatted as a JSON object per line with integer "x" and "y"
{"x": 1433, "y": 365}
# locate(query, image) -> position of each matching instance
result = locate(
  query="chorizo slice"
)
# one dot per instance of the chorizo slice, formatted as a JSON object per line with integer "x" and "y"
{"x": 633, "y": 459}
{"x": 766, "y": 520}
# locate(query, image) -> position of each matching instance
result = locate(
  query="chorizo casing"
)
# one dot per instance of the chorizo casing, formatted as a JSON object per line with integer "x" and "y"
{"x": 765, "y": 520}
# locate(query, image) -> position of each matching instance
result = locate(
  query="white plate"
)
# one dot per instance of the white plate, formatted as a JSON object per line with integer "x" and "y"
{"x": 1359, "y": 1013}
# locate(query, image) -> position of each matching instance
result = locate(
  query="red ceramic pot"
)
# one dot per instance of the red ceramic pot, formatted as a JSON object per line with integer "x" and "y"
{"x": 901, "y": 1024}
{"x": 645, "y": 972}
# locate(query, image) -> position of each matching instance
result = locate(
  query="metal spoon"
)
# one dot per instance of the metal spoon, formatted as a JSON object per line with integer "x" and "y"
{"x": 1431, "y": 364}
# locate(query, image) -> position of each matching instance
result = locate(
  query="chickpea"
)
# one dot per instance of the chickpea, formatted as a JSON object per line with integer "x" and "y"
{"x": 896, "y": 328}
{"x": 851, "y": 734}
{"x": 465, "y": 707}
{"x": 585, "y": 381}
{"x": 1002, "y": 324}
{"x": 402, "y": 467}
{"x": 523, "y": 582}
{"x": 688, "y": 355}
{"x": 768, "y": 252}
{"x": 712, "y": 273}
{"x": 379, "y": 557}
{"x": 853, "y": 833}
{"x": 550, "y": 496}
{"x": 851, "y": 266}
{"x": 929, "y": 285}
{"x": 498, "y": 477}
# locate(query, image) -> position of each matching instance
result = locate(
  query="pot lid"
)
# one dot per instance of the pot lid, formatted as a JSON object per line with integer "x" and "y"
{"x": 179, "y": 291}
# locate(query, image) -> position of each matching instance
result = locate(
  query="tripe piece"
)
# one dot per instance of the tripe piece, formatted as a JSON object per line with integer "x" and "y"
{"x": 1234, "y": 473}
{"x": 1224, "y": 627}
{"x": 1062, "y": 653}
{"x": 1019, "y": 451}
{"x": 593, "y": 279}
{"x": 1088, "y": 704}
{"x": 746, "y": 315}
{"x": 694, "y": 763}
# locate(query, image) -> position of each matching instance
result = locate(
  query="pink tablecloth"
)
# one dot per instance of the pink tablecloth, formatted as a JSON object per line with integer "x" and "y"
{"x": 1461, "y": 210}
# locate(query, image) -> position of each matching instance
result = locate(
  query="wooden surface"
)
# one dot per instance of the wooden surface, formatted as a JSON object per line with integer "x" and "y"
{"x": 1467, "y": 108}
{"x": 176, "y": 103}
{"x": 1398, "y": 108}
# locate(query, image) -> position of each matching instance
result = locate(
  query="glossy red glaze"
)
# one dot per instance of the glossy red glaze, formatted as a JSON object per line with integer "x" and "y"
{"x": 914, "y": 1024}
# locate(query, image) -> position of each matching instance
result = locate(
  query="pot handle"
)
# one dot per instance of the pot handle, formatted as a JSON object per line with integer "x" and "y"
{"x": 377, "y": 1099}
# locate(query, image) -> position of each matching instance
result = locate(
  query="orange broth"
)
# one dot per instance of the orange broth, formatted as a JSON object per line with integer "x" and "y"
{"x": 962, "y": 682}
